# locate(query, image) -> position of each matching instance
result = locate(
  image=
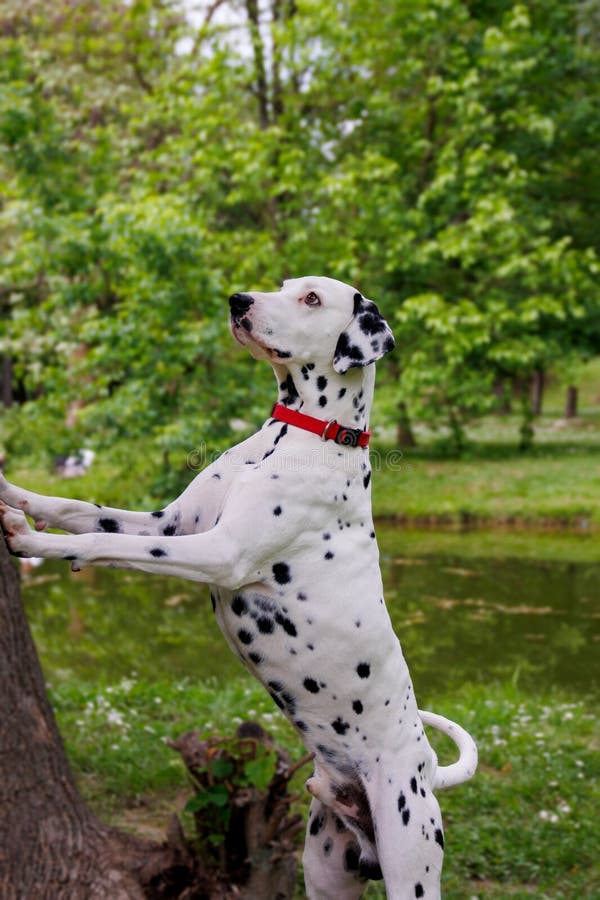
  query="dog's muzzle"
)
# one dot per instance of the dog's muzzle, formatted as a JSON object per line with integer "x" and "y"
{"x": 239, "y": 304}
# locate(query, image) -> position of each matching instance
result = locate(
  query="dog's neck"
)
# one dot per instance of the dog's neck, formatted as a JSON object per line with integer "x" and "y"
{"x": 323, "y": 393}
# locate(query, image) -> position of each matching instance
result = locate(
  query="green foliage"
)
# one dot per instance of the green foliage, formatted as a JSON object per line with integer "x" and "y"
{"x": 443, "y": 156}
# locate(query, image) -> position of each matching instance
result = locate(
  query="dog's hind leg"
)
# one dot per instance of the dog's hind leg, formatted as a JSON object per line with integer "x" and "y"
{"x": 409, "y": 833}
{"x": 331, "y": 857}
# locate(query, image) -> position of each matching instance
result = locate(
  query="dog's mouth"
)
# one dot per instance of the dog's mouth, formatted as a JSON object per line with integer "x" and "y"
{"x": 244, "y": 334}
{"x": 241, "y": 330}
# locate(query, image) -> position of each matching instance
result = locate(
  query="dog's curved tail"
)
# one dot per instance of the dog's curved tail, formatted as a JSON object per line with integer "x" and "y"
{"x": 464, "y": 768}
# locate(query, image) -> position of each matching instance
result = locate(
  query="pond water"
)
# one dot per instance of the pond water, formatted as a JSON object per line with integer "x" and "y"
{"x": 467, "y": 608}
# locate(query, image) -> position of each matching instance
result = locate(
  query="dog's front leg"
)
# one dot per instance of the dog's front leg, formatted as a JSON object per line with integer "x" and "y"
{"x": 80, "y": 516}
{"x": 210, "y": 557}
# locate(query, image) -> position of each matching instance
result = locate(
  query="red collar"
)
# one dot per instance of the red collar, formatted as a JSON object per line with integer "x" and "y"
{"x": 327, "y": 431}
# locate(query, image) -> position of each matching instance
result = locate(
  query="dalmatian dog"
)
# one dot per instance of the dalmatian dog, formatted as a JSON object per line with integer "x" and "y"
{"x": 281, "y": 528}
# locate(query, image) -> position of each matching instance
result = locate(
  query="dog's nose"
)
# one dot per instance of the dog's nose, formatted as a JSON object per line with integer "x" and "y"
{"x": 240, "y": 304}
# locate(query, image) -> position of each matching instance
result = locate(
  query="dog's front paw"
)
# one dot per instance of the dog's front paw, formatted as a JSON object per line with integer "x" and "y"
{"x": 18, "y": 533}
{"x": 12, "y": 495}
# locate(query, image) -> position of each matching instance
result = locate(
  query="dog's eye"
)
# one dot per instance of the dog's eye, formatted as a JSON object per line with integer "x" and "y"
{"x": 311, "y": 299}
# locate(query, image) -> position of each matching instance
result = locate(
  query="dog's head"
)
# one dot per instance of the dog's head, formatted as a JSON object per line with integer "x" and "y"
{"x": 311, "y": 319}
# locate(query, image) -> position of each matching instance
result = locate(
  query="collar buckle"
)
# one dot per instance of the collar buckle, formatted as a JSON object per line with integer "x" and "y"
{"x": 347, "y": 437}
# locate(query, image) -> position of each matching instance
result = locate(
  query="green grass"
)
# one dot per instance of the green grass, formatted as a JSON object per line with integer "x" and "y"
{"x": 525, "y": 826}
{"x": 537, "y": 490}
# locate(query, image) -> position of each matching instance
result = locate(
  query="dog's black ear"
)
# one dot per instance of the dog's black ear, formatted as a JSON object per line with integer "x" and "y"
{"x": 367, "y": 338}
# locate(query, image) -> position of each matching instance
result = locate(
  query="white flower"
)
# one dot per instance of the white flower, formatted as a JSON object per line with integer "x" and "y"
{"x": 546, "y": 816}
{"x": 114, "y": 717}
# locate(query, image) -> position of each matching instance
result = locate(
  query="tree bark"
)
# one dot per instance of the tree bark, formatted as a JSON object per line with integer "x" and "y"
{"x": 404, "y": 433}
{"x": 571, "y": 403}
{"x": 51, "y": 845}
{"x": 261, "y": 88}
{"x": 537, "y": 391}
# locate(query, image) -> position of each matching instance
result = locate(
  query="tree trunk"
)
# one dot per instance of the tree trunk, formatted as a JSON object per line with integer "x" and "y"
{"x": 51, "y": 845}
{"x": 571, "y": 404}
{"x": 404, "y": 432}
{"x": 261, "y": 87}
{"x": 537, "y": 391}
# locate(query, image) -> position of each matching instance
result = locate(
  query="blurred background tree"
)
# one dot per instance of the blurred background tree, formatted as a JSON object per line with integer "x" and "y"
{"x": 155, "y": 156}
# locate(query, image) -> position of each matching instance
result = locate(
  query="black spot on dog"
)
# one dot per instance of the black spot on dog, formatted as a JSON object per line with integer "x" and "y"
{"x": 405, "y": 816}
{"x": 245, "y": 636}
{"x": 413, "y": 784}
{"x": 291, "y": 394}
{"x": 316, "y": 825}
{"x": 287, "y": 624}
{"x": 300, "y": 725}
{"x": 265, "y": 625}
{"x": 217, "y": 476}
{"x": 345, "y": 348}
{"x": 239, "y": 605}
{"x": 439, "y": 837}
{"x": 110, "y": 525}
{"x": 327, "y": 847}
{"x": 401, "y": 801}
{"x": 363, "y": 670}
{"x": 321, "y": 382}
{"x": 158, "y": 514}
{"x": 339, "y": 726}
{"x": 322, "y": 400}
{"x": 370, "y": 322}
{"x": 169, "y": 530}
{"x": 366, "y": 480}
{"x": 311, "y": 685}
{"x": 326, "y": 536}
{"x": 351, "y": 858}
{"x": 419, "y": 892}
{"x": 256, "y": 658}
{"x": 158, "y": 551}
{"x": 301, "y": 596}
{"x": 370, "y": 870}
{"x": 281, "y": 573}
{"x": 69, "y": 558}
{"x": 277, "y": 511}
{"x": 329, "y": 555}
{"x": 276, "y": 699}
{"x": 341, "y": 393}
{"x": 282, "y": 433}
{"x": 357, "y": 707}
